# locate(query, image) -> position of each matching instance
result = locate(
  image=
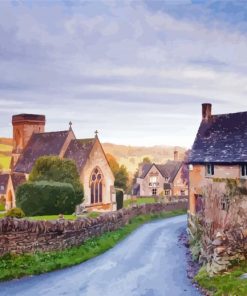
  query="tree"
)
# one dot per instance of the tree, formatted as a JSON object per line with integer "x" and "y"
{"x": 146, "y": 160}
{"x": 120, "y": 172}
{"x": 121, "y": 178}
{"x": 53, "y": 168}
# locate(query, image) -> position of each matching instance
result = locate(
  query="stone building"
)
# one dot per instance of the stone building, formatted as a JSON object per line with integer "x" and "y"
{"x": 161, "y": 179}
{"x": 219, "y": 152}
{"x": 31, "y": 141}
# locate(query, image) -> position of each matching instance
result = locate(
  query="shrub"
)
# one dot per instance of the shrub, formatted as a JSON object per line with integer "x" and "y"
{"x": 46, "y": 198}
{"x": 15, "y": 212}
{"x": 53, "y": 168}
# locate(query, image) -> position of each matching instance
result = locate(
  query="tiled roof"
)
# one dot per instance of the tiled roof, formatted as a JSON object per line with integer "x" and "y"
{"x": 78, "y": 150}
{"x": 3, "y": 183}
{"x": 18, "y": 179}
{"x": 40, "y": 144}
{"x": 221, "y": 139}
{"x": 168, "y": 170}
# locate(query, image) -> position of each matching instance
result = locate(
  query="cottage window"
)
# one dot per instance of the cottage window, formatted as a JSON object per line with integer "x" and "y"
{"x": 210, "y": 169}
{"x": 96, "y": 186}
{"x": 153, "y": 179}
{"x": 154, "y": 191}
{"x": 244, "y": 170}
{"x": 167, "y": 192}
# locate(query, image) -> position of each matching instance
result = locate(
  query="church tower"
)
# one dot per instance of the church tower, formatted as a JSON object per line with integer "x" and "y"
{"x": 24, "y": 125}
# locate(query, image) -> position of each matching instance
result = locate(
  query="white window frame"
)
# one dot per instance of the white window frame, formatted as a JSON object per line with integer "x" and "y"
{"x": 243, "y": 167}
{"x": 210, "y": 169}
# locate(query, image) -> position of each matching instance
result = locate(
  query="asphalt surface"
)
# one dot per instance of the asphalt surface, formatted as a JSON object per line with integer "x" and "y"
{"x": 149, "y": 262}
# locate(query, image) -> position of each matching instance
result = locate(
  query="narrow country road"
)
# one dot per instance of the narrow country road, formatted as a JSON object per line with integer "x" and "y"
{"x": 149, "y": 262}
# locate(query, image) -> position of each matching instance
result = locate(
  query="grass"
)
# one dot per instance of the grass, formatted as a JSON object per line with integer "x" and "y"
{"x": 2, "y": 207}
{"x": 5, "y": 161}
{"x": 139, "y": 201}
{"x": 227, "y": 283}
{"x": 16, "y": 266}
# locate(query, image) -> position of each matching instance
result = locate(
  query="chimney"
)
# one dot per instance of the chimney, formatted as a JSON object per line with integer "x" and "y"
{"x": 175, "y": 154}
{"x": 206, "y": 111}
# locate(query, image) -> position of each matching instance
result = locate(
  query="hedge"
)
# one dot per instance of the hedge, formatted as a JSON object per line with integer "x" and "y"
{"x": 46, "y": 198}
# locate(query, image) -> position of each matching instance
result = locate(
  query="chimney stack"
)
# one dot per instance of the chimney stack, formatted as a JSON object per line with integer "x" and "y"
{"x": 175, "y": 154}
{"x": 206, "y": 111}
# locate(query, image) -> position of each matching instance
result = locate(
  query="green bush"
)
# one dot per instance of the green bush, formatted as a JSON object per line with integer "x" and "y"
{"x": 53, "y": 168}
{"x": 46, "y": 198}
{"x": 2, "y": 207}
{"x": 15, "y": 212}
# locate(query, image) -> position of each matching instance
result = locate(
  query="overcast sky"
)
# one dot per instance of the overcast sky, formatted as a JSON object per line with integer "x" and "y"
{"x": 137, "y": 71}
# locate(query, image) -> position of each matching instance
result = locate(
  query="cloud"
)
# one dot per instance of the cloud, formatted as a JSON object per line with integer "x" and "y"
{"x": 119, "y": 64}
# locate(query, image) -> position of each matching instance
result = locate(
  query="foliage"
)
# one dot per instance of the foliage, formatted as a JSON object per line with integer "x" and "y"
{"x": 139, "y": 201}
{"x": 146, "y": 160}
{"x": 53, "y": 168}
{"x": 46, "y": 198}
{"x": 120, "y": 173}
{"x": 2, "y": 207}
{"x": 226, "y": 283}
{"x": 16, "y": 266}
{"x": 15, "y": 212}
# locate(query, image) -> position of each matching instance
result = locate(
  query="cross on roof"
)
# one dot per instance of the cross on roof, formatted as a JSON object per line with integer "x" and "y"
{"x": 96, "y": 133}
{"x": 70, "y": 125}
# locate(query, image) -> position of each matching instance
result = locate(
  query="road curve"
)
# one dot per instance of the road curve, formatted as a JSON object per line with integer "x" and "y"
{"x": 149, "y": 262}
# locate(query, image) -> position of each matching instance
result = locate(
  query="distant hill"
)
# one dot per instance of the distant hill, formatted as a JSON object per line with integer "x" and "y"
{"x": 6, "y": 145}
{"x": 131, "y": 156}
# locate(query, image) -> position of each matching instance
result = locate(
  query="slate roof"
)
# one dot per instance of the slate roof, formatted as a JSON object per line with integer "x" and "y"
{"x": 167, "y": 170}
{"x": 167, "y": 186}
{"x": 40, "y": 144}
{"x": 221, "y": 139}
{"x": 136, "y": 189}
{"x": 18, "y": 179}
{"x": 3, "y": 183}
{"x": 78, "y": 150}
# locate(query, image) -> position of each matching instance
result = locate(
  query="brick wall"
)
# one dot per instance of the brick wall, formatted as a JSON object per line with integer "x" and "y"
{"x": 25, "y": 236}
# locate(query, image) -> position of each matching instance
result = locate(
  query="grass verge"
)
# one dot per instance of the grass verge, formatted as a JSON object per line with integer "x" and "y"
{"x": 228, "y": 283}
{"x": 16, "y": 266}
{"x": 139, "y": 201}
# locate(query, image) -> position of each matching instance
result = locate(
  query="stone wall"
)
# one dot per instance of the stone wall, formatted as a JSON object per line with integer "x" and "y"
{"x": 25, "y": 236}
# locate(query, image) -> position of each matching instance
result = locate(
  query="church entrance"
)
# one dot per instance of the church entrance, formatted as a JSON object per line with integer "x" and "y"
{"x": 96, "y": 186}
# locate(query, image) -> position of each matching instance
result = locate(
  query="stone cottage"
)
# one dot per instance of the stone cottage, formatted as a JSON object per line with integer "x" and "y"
{"x": 161, "y": 179}
{"x": 219, "y": 152}
{"x": 31, "y": 141}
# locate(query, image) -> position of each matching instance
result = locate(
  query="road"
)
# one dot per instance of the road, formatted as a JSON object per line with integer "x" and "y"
{"x": 149, "y": 262}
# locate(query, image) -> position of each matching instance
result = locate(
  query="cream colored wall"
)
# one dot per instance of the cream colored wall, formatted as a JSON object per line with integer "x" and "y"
{"x": 199, "y": 179}
{"x": 10, "y": 190}
{"x": 97, "y": 159}
{"x": 145, "y": 190}
{"x": 179, "y": 185}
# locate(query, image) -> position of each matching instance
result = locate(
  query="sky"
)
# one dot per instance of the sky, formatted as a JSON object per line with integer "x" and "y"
{"x": 137, "y": 71}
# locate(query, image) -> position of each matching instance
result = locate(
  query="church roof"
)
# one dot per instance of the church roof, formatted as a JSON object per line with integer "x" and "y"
{"x": 78, "y": 150}
{"x": 40, "y": 144}
{"x": 18, "y": 179}
{"x": 221, "y": 139}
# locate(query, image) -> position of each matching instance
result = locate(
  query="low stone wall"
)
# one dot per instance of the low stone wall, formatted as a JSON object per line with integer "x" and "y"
{"x": 25, "y": 236}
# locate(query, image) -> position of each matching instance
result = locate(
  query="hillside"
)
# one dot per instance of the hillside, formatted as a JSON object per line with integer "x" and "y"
{"x": 5, "y": 152}
{"x": 131, "y": 156}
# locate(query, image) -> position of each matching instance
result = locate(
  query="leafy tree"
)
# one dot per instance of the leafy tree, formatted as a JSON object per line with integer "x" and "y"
{"x": 120, "y": 172}
{"x": 146, "y": 160}
{"x": 53, "y": 168}
{"x": 121, "y": 178}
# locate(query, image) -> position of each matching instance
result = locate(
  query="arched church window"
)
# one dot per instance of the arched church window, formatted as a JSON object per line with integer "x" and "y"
{"x": 96, "y": 186}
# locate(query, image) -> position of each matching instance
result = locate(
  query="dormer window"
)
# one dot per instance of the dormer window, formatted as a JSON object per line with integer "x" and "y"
{"x": 244, "y": 170}
{"x": 166, "y": 179}
{"x": 210, "y": 169}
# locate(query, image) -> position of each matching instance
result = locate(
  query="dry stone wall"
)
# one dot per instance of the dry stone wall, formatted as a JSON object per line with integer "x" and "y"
{"x": 24, "y": 236}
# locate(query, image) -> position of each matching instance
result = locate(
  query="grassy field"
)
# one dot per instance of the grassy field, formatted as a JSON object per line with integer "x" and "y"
{"x": 16, "y": 266}
{"x": 5, "y": 162}
{"x": 139, "y": 201}
{"x": 228, "y": 283}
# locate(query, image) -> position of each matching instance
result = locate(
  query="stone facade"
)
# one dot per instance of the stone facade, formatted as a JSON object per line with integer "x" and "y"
{"x": 19, "y": 236}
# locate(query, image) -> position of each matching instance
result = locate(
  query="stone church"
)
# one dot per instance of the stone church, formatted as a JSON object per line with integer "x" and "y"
{"x": 31, "y": 141}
